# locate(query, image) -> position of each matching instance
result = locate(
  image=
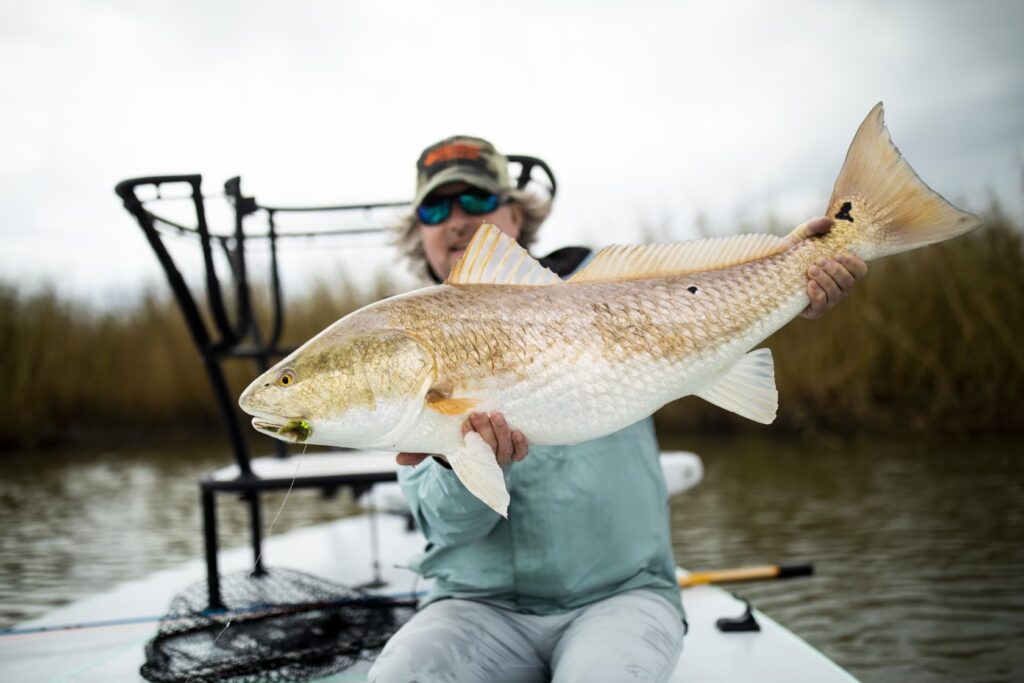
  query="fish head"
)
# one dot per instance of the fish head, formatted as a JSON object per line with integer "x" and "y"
{"x": 345, "y": 387}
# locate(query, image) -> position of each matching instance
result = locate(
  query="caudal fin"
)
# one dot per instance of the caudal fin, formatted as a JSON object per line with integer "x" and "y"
{"x": 878, "y": 189}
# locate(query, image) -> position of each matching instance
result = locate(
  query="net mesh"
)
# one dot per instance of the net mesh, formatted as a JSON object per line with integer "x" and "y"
{"x": 283, "y": 625}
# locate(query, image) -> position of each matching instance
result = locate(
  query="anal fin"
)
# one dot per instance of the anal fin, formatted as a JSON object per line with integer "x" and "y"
{"x": 478, "y": 470}
{"x": 747, "y": 388}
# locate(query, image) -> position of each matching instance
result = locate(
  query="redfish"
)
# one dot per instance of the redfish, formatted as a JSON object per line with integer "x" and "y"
{"x": 567, "y": 361}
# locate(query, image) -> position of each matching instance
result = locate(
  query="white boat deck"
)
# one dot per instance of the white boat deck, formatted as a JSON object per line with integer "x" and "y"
{"x": 339, "y": 551}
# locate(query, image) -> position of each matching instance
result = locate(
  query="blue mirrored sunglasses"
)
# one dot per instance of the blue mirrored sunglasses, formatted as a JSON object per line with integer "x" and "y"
{"x": 434, "y": 209}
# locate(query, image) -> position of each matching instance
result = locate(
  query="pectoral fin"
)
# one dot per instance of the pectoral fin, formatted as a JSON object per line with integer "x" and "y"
{"x": 450, "y": 405}
{"x": 747, "y": 388}
{"x": 475, "y": 466}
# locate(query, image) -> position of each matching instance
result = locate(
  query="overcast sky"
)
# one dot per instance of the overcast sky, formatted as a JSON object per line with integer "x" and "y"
{"x": 650, "y": 113}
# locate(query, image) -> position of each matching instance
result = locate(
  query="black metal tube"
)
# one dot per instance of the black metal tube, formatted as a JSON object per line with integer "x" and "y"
{"x": 305, "y": 234}
{"x": 126, "y": 190}
{"x": 227, "y": 411}
{"x": 527, "y": 164}
{"x": 233, "y": 189}
{"x": 338, "y": 207}
{"x": 256, "y": 524}
{"x": 326, "y": 481}
{"x": 209, "y": 505}
{"x": 228, "y": 335}
{"x": 275, "y": 285}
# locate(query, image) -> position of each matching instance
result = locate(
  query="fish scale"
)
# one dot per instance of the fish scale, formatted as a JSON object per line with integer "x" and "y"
{"x": 645, "y": 341}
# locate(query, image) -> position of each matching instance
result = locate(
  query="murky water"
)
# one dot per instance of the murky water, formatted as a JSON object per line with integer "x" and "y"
{"x": 79, "y": 523}
{"x": 919, "y": 551}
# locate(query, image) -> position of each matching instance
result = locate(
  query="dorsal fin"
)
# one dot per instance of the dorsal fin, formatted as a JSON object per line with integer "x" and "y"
{"x": 664, "y": 260}
{"x": 494, "y": 258}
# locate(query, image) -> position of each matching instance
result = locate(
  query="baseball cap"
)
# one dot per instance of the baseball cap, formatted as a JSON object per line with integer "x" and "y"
{"x": 461, "y": 158}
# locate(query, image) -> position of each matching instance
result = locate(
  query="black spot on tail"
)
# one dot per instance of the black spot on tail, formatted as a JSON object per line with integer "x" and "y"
{"x": 691, "y": 289}
{"x": 844, "y": 212}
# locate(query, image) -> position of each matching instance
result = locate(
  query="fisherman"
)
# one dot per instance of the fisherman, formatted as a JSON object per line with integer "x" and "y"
{"x": 579, "y": 583}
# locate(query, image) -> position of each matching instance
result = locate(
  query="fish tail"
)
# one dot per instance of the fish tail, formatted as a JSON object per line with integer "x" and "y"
{"x": 878, "y": 192}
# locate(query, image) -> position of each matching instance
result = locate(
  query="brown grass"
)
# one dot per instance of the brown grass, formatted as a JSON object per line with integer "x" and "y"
{"x": 931, "y": 342}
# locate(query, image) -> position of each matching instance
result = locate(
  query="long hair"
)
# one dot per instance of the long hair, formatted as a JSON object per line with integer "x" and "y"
{"x": 407, "y": 237}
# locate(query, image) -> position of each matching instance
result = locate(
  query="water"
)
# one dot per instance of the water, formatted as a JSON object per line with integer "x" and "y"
{"x": 918, "y": 550}
{"x": 79, "y": 523}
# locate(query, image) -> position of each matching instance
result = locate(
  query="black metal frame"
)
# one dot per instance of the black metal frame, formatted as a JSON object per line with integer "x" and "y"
{"x": 240, "y": 335}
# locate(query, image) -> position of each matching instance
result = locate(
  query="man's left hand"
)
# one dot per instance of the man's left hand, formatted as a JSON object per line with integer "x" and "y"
{"x": 829, "y": 281}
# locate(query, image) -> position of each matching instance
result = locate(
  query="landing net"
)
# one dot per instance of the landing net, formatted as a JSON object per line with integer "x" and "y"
{"x": 282, "y": 626}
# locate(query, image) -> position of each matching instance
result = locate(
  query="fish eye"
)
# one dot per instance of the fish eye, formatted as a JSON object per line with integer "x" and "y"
{"x": 285, "y": 378}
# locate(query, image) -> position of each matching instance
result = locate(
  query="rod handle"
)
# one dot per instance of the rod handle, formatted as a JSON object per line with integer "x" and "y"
{"x": 761, "y": 573}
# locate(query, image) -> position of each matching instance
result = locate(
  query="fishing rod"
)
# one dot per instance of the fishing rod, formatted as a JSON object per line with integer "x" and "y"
{"x": 714, "y": 576}
{"x": 252, "y": 612}
{"x": 761, "y": 573}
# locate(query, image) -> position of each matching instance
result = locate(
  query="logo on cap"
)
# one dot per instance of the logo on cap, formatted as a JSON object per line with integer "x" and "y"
{"x": 452, "y": 152}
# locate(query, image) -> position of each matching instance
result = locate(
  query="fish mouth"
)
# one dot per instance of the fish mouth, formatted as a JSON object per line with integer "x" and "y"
{"x": 296, "y": 430}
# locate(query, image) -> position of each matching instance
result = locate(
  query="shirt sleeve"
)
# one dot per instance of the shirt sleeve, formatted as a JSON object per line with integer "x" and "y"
{"x": 445, "y": 511}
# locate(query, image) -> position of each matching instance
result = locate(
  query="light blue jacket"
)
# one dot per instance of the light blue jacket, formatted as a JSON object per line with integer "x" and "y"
{"x": 585, "y": 522}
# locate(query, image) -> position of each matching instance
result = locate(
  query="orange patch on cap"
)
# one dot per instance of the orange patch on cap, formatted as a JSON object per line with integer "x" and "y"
{"x": 458, "y": 150}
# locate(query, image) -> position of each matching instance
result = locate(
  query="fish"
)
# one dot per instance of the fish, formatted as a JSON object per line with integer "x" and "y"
{"x": 567, "y": 361}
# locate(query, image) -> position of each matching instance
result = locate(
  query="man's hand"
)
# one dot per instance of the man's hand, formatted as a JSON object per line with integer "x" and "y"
{"x": 828, "y": 280}
{"x": 508, "y": 445}
{"x": 411, "y": 458}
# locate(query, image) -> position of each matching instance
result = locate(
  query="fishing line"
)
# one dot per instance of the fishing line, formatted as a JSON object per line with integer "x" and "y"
{"x": 57, "y": 629}
{"x": 270, "y": 529}
{"x": 263, "y": 543}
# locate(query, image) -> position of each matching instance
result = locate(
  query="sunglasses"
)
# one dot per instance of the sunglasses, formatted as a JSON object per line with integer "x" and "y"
{"x": 435, "y": 209}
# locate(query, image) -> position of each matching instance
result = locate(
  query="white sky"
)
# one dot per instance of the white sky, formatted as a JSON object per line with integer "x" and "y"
{"x": 650, "y": 113}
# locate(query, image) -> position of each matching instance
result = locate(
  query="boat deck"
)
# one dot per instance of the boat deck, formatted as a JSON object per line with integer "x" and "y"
{"x": 339, "y": 551}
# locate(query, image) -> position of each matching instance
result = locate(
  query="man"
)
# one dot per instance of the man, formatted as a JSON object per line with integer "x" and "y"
{"x": 578, "y": 584}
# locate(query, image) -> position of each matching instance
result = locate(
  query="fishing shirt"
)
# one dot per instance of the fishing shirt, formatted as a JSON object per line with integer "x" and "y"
{"x": 585, "y": 522}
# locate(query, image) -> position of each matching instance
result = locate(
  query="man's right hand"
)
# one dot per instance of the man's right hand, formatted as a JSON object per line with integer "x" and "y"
{"x": 508, "y": 445}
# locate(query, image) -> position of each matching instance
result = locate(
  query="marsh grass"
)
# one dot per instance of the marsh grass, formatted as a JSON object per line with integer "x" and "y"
{"x": 72, "y": 373}
{"x": 931, "y": 342}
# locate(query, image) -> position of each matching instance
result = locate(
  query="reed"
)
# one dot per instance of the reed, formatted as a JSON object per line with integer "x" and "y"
{"x": 77, "y": 374}
{"x": 930, "y": 342}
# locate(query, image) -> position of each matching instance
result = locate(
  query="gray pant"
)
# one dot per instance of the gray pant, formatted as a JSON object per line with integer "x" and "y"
{"x": 631, "y": 636}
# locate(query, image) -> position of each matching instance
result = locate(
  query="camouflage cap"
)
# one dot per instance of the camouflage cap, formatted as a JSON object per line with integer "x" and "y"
{"x": 461, "y": 159}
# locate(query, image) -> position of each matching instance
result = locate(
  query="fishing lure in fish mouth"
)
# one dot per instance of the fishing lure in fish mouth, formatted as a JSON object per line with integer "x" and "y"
{"x": 296, "y": 431}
